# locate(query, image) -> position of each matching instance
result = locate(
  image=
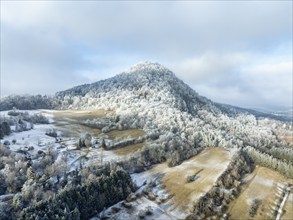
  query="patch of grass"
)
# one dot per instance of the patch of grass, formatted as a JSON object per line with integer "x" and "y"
{"x": 81, "y": 115}
{"x": 69, "y": 121}
{"x": 123, "y": 151}
{"x": 210, "y": 162}
{"x": 77, "y": 130}
{"x": 132, "y": 133}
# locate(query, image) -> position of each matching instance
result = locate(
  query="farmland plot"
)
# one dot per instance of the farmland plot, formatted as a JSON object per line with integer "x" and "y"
{"x": 170, "y": 196}
{"x": 265, "y": 185}
{"x": 69, "y": 127}
{"x": 69, "y": 122}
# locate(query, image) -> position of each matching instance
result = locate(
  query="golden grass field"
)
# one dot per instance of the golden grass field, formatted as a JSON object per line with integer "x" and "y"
{"x": 69, "y": 123}
{"x": 210, "y": 164}
{"x": 263, "y": 184}
{"x": 132, "y": 133}
{"x": 128, "y": 150}
{"x": 81, "y": 114}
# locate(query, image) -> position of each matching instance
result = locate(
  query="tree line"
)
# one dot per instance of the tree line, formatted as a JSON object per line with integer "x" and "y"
{"x": 267, "y": 160}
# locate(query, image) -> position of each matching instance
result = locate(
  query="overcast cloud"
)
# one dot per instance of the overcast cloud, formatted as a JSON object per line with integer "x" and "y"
{"x": 232, "y": 52}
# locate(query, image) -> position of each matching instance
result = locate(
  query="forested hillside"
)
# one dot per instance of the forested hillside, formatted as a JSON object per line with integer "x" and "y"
{"x": 64, "y": 175}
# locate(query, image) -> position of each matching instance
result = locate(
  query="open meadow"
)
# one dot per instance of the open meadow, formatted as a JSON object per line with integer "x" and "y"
{"x": 171, "y": 182}
{"x": 265, "y": 185}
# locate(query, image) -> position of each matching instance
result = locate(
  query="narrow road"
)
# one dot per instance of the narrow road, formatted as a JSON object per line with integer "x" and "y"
{"x": 280, "y": 210}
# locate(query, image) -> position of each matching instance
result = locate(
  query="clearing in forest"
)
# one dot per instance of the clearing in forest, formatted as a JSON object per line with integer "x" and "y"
{"x": 69, "y": 122}
{"x": 263, "y": 184}
{"x": 128, "y": 150}
{"x": 130, "y": 133}
{"x": 80, "y": 115}
{"x": 207, "y": 166}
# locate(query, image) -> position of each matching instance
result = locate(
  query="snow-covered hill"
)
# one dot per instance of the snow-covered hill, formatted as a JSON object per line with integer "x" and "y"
{"x": 151, "y": 97}
{"x": 145, "y": 83}
{"x": 172, "y": 122}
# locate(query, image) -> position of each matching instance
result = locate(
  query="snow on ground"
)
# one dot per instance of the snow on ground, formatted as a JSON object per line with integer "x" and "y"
{"x": 6, "y": 197}
{"x": 48, "y": 114}
{"x": 37, "y": 139}
{"x": 166, "y": 186}
{"x": 140, "y": 205}
{"x": 166, "y": 191}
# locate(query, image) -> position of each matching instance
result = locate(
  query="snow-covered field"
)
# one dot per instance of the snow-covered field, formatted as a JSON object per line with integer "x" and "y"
{"x": 32, "y": 138}
{"x": 36, "y": 140}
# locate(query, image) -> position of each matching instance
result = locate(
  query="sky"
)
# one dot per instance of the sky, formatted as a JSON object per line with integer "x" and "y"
{"x": 234, "y": 52}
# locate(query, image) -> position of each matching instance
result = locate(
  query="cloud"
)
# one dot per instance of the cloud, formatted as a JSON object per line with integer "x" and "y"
{"x": 248, "y": 79}
{"x": 271, "y": 83}
{"x": 184, "y": 26}
{"x": 220, "y": 44}
{"x": 208, "y": 67}
{"x": 37, "y": 62}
